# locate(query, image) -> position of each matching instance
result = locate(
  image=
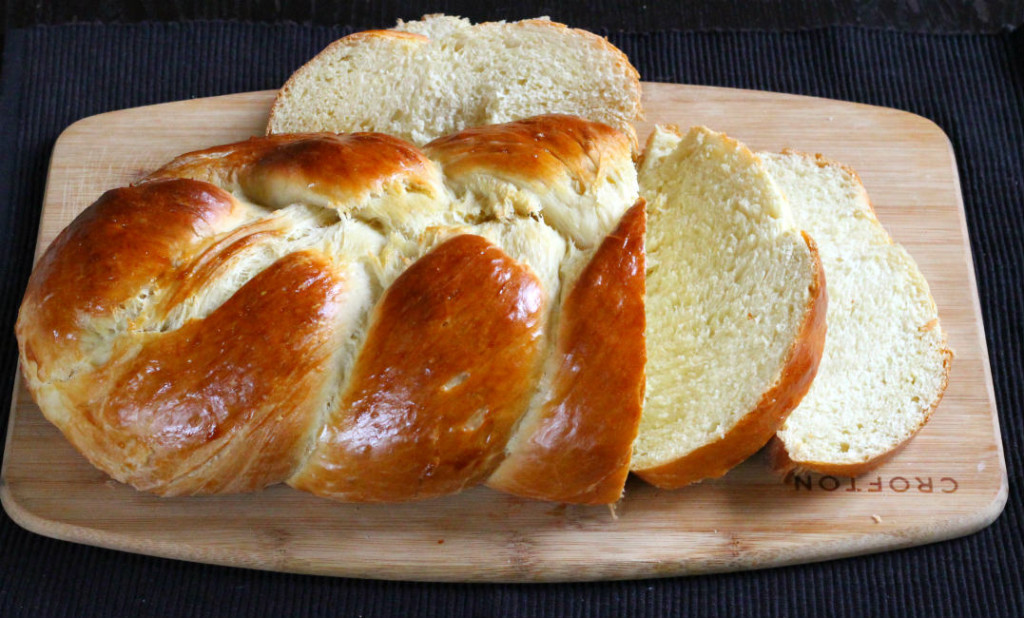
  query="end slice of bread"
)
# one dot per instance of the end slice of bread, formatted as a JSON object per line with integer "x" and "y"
{"x": 886, "y": 363}
{"x": 439, "y": 75}
{"x": 735, "y": 308}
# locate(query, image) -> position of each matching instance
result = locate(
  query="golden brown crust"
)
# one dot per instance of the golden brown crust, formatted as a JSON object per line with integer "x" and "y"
{"x": 221, "y": 161}
{"x": 578, "y": 449}
{"x": 444, "y": 374}
{"x": 538, "y": 152}
{"x": 190, "y": 411}
{"x": 129, "y": 238}
{"x": 757, "y": 427}
{"x": 340, "y": 168}
{"x": 283, "y": 169}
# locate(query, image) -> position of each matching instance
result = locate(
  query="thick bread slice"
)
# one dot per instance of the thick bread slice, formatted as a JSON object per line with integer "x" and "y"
{"x": 437, "y": 76}
{"x": 886, "y": 362}
{"x": 735, "y": 308}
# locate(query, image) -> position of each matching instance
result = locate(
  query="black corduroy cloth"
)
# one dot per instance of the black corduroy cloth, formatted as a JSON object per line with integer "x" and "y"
{"x": 933, "y": 16}
{"x": 972, "y": 86}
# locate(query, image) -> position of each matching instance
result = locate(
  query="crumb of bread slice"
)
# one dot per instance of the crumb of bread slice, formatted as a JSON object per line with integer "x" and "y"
{"x": 735, "y": 308}
{"x": 432, "y": 77}
{"x": 886, "y": 362}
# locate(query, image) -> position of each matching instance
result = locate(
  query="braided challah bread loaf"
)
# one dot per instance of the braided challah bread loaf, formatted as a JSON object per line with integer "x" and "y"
{"x": 357, "y": 317}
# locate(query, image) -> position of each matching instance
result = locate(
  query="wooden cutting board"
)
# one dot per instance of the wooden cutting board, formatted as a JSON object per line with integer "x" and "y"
{"x": 950, "y": 481}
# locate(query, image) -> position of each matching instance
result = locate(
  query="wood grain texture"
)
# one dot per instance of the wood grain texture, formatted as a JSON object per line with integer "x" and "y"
{"x": 949, "y": 481}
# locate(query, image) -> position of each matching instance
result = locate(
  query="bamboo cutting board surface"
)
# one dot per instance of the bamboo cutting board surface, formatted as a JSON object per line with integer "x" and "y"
{"x": 950, "y": 481}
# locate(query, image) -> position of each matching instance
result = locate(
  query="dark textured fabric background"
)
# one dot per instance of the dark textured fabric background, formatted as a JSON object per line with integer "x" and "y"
{"x": 972, "y": 86}
{"x": 964, "y": 16}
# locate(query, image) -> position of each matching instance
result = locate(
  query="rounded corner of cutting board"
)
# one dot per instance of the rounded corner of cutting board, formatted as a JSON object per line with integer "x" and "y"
{"x": 27, "y": 520}
{"x": 83, "y": 125}
{"x": 991, "y": 511}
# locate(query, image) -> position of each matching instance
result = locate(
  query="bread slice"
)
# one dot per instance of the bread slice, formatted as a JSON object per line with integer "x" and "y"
{"x": 886, "y": 362}
{"x": 431, "y": 78}
{"x": 735, "y": 308}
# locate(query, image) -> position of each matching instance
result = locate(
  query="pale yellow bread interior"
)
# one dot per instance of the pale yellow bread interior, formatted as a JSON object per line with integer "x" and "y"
{"x": 886, "y": 362}
{"x": 432, "y": 77}
{"x": 732, "y": 289}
